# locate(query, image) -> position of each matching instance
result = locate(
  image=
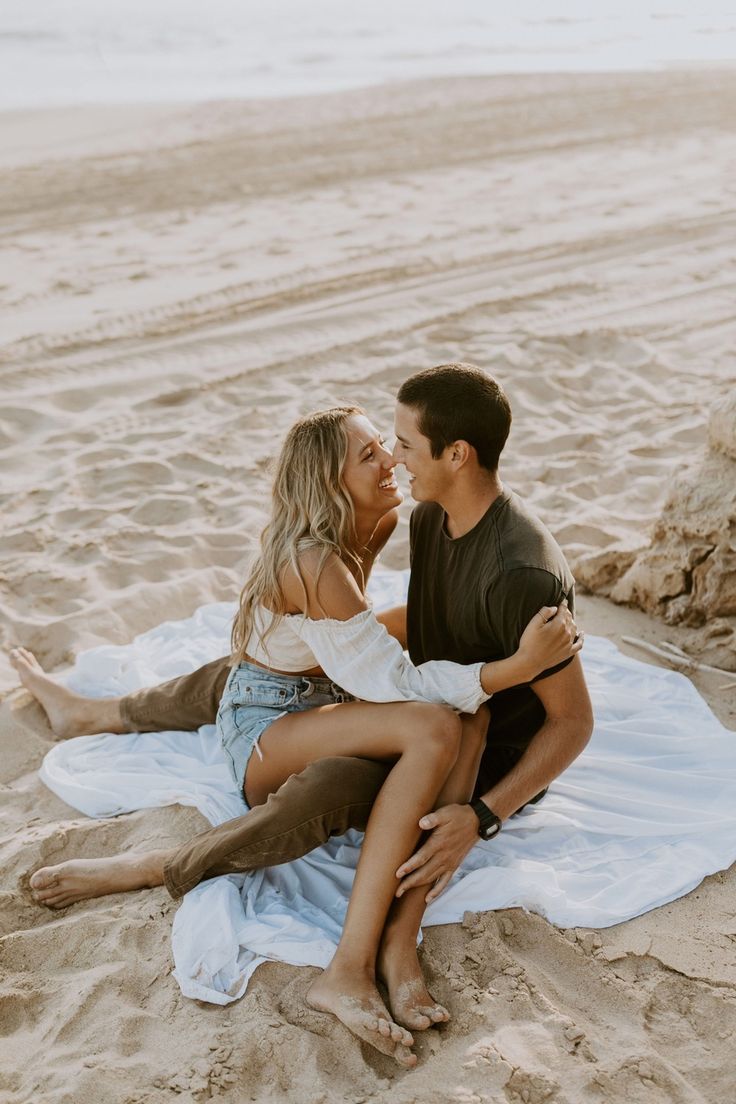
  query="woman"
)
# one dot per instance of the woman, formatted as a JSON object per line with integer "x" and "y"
{"x": 316, "y": 674}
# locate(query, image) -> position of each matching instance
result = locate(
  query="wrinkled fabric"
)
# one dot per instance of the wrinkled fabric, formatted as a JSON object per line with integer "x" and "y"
{"x": 639, "y": 819}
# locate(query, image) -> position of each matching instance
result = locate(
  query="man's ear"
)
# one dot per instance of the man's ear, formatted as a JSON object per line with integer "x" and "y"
{"x": 460, "y": 452}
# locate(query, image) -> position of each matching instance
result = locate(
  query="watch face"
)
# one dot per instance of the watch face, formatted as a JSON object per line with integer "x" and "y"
{"x": 491, "y": 831}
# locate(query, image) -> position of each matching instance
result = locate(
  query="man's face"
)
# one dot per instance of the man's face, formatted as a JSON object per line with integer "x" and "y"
{"x": 428, "y": 477}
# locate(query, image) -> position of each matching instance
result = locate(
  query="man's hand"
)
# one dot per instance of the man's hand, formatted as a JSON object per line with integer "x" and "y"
{"x": 454, "y": 831}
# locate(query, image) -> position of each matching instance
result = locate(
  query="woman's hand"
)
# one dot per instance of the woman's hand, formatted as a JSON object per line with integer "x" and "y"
{"x": 550, "y": 638}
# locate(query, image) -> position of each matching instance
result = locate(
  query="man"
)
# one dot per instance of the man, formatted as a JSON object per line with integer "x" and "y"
{"x": 482, "y": 566}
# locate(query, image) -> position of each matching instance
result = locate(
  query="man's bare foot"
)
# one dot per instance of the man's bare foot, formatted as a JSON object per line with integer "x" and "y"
{"x": 411, "y": 1002}
{"x": 76, "y": 880}
{"x": 69, "y": 714}
{"x": 353, "y": 998}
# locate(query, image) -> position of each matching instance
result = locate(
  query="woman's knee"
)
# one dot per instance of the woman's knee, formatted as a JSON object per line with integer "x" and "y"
{"x": 475, "y": 727}
{"x": 483, "y": 716}
{"x": 441, "y": 732}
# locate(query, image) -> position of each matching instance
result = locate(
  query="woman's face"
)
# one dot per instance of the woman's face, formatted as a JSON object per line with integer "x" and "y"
{"x": 369, "y": 469}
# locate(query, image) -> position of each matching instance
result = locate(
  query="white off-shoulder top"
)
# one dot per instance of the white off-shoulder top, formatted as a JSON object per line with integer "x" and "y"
{"x": 363, "y": 658}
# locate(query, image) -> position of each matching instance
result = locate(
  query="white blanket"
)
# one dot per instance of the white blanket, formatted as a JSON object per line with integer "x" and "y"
{"x": 640, "y": 818}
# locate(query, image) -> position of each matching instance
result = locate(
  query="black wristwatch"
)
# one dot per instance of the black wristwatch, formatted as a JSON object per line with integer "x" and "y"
{"x": 489, "y": 824}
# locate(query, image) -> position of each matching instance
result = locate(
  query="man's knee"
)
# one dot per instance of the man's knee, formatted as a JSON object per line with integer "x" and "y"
{"x": 340, "y": 781}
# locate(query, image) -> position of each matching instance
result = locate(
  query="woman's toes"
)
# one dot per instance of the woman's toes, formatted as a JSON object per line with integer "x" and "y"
{"x": 419, "y": 1020}
{"x": 433, "y": 1014}
{"x": 403, "y": 1036}
{"x": 405, "y": 1057}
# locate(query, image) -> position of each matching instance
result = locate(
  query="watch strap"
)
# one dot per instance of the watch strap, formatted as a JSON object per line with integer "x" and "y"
{"x": 489, "y": 825}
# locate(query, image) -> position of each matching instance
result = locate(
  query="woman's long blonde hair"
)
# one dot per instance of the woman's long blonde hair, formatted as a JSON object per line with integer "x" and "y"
{"x": 311, "y": 508}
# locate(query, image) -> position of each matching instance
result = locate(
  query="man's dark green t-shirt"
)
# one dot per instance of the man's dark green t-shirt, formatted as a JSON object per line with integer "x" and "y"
{"x": 471, "y": 598}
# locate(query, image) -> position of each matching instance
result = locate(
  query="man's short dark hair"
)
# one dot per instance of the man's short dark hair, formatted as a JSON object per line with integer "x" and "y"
{"x": 459, "y": 402}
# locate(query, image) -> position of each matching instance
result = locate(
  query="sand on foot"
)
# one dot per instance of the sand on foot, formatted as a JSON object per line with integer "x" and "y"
{"x": 411, "y": 1003}
{"x": 356, "y": 1002}
{"x": 81, "y": 879}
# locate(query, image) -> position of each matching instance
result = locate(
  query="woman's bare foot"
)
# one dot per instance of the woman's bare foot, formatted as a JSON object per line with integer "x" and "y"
{"x": 76, "y": 880}
{"x": 69, "y": 714}
{"x": 411, "y": 1002}
{"x": 353, "y": 998}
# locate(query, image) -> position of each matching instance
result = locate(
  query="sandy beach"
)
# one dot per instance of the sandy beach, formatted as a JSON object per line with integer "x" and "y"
{"x": 178, "y": 284}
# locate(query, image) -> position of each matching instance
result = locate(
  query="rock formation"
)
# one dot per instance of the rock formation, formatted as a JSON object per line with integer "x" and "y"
{"x": 687, "y": 575}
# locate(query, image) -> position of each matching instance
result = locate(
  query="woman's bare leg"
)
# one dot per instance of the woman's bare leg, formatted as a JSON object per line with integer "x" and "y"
{"x": 424, "y": 741}
{"x": 69, "y": 714}
{"x": 398, "y": 965}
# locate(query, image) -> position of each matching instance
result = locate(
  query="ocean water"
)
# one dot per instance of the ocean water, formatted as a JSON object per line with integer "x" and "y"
{"x": 106, "y": 51}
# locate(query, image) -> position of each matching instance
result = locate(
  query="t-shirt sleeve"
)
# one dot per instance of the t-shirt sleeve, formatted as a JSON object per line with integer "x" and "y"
{"x": 512, "y": 604}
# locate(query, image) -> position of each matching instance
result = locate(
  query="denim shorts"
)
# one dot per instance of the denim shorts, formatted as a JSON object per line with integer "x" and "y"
{"x": 254, "y": 698}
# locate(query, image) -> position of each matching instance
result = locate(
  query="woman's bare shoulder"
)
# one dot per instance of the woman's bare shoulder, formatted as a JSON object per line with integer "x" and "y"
{"x": 331, "y": 591}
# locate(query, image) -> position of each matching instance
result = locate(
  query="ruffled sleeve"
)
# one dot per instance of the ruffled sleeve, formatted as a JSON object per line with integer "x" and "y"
{"x": 364, "y": 659}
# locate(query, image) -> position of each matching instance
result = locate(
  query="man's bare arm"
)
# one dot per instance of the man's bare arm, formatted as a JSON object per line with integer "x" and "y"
{"x": 564, "y": 734}
{"x": 395, "y": 621}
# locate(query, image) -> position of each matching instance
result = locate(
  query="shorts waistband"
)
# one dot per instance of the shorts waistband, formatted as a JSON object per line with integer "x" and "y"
{"x": 320, "y": 682}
